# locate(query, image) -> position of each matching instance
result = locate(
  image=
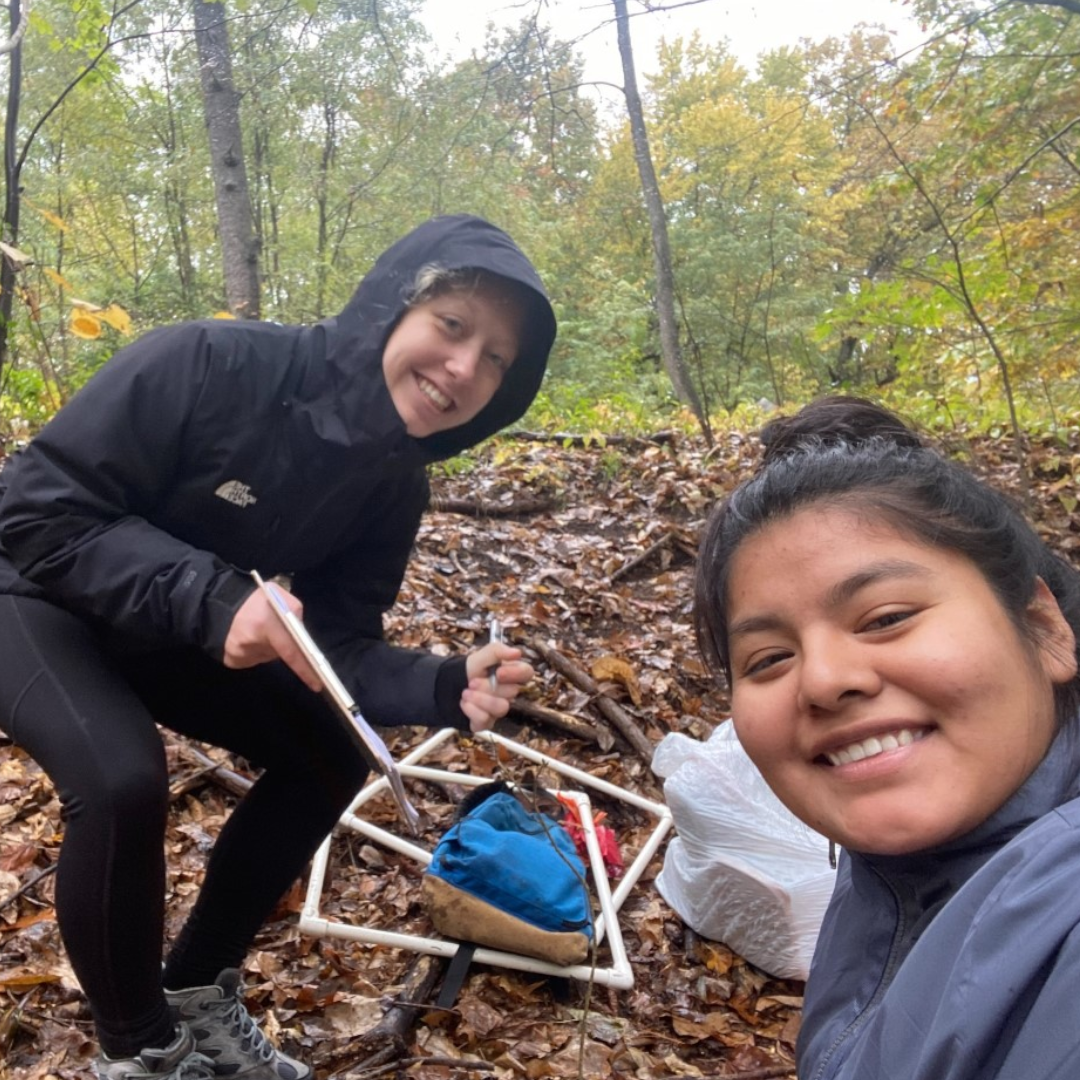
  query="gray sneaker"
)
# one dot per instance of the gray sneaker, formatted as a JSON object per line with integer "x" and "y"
{"x": 225, "y": 1033}
{"x": 178, "y": 1061}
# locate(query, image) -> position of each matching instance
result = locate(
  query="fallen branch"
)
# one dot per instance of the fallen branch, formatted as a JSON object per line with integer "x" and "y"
{"x": 35, "y": 880}
{"x": 672, "y": 537}
{"x": 637, "y": 560}
{"x": 387, "y": 1037}
{"x": 480, "y": 509}
{"x": 580, "y": 729}
{"x": 213, "y": 770}
{"x": 611, "y": 709}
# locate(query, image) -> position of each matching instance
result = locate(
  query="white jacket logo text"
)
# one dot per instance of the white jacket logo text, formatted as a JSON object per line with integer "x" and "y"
{"x": 236, "y": 492}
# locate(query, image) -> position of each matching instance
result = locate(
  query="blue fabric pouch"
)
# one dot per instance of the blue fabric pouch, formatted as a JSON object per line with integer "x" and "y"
{"x": 509, "y": 877}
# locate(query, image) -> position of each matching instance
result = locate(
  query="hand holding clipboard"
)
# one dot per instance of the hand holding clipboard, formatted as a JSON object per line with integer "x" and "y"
{"x": 369, "y": 743}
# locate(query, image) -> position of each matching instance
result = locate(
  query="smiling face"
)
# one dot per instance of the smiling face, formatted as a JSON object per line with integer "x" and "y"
{"x": 878, "y": 683}
{"x": 447, "y": 356}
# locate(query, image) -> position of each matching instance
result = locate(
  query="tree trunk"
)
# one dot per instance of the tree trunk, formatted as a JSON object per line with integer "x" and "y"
{"x": 654, "y": 206}
{"x": 221, "y": 104}
{"x": 12, "y": 174}
{"x": 322, "y": 200}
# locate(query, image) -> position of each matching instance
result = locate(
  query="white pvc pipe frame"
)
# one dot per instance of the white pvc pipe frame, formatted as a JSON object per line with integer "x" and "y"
{"x": 618, "y": 975}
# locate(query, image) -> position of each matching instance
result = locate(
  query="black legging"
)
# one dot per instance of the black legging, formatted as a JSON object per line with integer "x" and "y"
{"x": 87, "y": 715}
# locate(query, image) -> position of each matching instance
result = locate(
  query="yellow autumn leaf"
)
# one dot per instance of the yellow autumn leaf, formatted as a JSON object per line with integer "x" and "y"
{"x": 48, "y": 215}
{"x": 718, "y": 959}
{"x": 117, "y": 318}
{"x": 54, "y": 219}
{"x": 84, "y": 325}
{"x": 612, "y": 669}
{"x": 58, "y": 279}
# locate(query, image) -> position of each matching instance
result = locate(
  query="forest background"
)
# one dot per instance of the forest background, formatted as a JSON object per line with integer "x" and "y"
{"x": 839, "y": 218}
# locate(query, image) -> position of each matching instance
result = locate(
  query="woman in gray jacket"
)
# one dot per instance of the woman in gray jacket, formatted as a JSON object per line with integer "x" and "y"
{"x": 901, "y": 649}
{"x": 128, "y": 530}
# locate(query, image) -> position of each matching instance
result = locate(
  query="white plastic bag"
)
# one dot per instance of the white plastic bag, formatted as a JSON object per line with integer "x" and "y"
{"x": 743, "y": 869}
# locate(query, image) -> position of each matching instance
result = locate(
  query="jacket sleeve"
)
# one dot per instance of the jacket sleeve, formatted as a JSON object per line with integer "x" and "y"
{"x": 1047, "y": 1045}
{"x": 345, "y": 600}
{"x": 988, "y": 992}
{"x": 74, "y": 515}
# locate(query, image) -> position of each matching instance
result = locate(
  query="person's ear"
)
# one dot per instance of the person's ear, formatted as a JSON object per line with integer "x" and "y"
{"x": 1055, "y": 637}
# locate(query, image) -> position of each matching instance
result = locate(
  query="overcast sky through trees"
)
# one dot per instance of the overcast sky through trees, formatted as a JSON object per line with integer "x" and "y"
{"x": 749, "y": 27}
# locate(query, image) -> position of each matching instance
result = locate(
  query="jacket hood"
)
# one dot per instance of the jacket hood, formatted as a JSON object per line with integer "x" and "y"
{"x": 355, "y": 339}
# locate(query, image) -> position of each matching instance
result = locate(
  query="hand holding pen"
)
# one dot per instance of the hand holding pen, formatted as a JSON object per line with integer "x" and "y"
{"x": 496, "y": 675}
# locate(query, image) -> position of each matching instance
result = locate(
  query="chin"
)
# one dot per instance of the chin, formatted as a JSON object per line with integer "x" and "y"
{"x": 897, "y": 841}
{"x": 420, "y": 428}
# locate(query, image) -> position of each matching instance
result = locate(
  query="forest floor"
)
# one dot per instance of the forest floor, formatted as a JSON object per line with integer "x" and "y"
{"x": 585, "y": 553}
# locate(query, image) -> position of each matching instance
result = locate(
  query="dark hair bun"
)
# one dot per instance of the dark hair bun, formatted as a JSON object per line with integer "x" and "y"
{"x": 838, "y": 418}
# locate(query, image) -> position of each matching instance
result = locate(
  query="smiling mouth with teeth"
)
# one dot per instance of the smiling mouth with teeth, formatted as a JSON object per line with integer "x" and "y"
{"x": 433, "y": 394}
{"x": 875, "y": 745}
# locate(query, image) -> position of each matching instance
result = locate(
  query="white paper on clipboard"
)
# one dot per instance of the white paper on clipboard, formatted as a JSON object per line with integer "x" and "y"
{"x": 373, "y": 748}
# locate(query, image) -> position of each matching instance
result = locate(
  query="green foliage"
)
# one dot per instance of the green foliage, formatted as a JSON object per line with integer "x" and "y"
{"x": 837, "y": 220}
{"x": 26, "y": 402}
{"x": 461, "y": 465}
{"x": 967, "y": 299}
{"x": 570, "y": 407}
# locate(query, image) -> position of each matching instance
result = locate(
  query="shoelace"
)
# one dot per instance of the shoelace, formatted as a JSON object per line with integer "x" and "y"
{"x": 195, "y": 1067}
{"x": 239, "y": 1019}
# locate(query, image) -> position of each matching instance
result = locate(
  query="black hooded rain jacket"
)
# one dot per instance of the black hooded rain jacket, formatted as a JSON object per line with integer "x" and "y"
{"x": 208, "y": 449}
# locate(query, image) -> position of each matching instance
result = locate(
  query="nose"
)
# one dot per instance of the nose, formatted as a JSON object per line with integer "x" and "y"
{"x": 464, "y": 360}
{"x": 835, "y": 670}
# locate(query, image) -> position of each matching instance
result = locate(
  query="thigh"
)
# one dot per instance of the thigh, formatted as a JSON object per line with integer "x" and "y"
{"x": 87, "y": 713}
{"x": 64, "y": 701}
{"x": 264, "y": 713}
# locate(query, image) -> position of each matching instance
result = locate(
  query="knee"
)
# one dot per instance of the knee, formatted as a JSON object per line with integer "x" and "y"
{"x": 330, "y": 780}
{"x": 128, "y": 796}
{"x": 341, "y": 776}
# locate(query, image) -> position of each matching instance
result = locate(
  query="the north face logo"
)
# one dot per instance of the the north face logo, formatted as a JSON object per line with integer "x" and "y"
{"x": 236, "y": 492}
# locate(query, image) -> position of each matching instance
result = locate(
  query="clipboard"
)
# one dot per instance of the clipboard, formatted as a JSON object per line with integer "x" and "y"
{"x": 369, "y": 743}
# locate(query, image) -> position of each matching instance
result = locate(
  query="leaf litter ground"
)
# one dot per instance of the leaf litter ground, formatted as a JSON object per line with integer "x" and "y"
{"x": 585, "y": 551}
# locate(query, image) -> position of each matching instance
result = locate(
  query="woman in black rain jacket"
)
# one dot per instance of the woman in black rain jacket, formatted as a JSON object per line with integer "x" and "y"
{"x": 128, "y": 530}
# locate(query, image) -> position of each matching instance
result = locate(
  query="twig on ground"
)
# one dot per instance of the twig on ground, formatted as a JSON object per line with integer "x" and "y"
{"x": 611, "y": 709}
{"x": 638, "y": 559}
{"x": 580, "y": 729}
{"x": 387, "y": 1038}
{"x": 23, "y": 890}
{"x": 213, "y": 770}
{"x": 481, "y": 509}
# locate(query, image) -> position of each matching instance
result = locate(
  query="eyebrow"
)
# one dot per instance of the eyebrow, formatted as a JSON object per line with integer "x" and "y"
{"x": 839, "y": 594}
